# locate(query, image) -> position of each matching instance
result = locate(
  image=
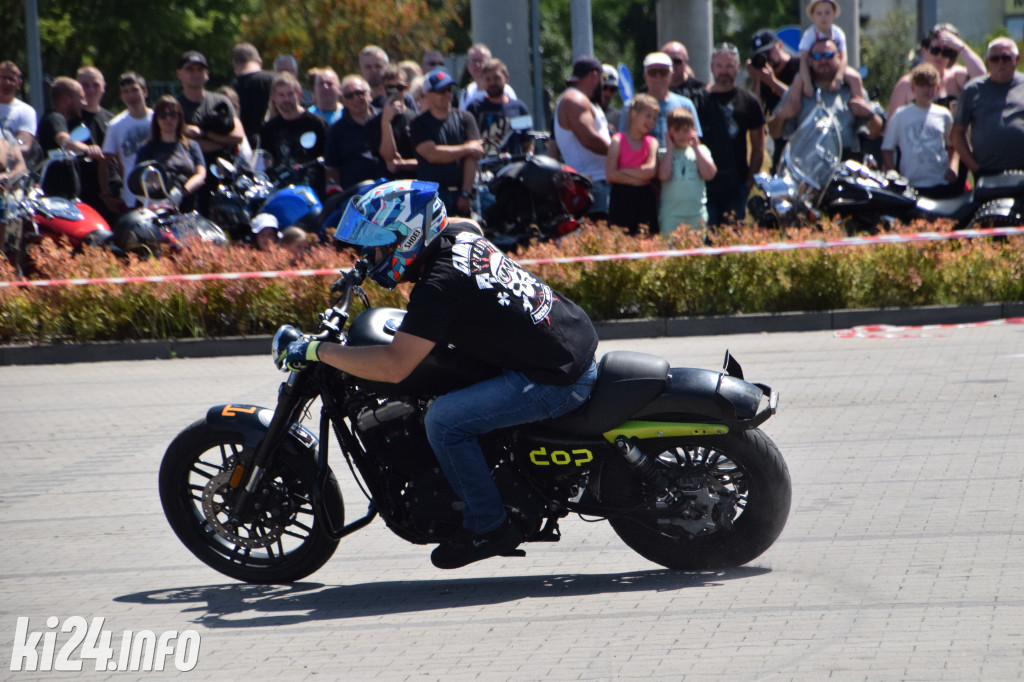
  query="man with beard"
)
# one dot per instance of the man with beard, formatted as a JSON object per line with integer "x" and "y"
{"x": 447, "y": 144}
{"x": 727, "y": 115}
{"x": 581, "y": 130}
{"x": 495, "y": 111}
{"x": 849, "y": 111}
{"x": 282, "y": 135}
{"x": 772, "y": 68}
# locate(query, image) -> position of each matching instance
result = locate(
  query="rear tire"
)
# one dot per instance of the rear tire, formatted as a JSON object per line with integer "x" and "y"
{"x": 281, "y": 543}
{"x": 739, "y": 476}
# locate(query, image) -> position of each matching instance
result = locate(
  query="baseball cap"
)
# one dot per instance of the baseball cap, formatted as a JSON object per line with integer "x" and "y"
{"x": 657, "y": 59}
{"x": 438, "y": 79}
{"x": 583, "y": 66}
{"x": 611, "y": 76}
{"x": 264, "y": 221}
{"x": 192, "y": 57}
{"x": 762, "y": 41}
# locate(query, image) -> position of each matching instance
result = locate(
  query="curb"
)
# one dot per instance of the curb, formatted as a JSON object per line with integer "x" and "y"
{"x": 621, "y": 329}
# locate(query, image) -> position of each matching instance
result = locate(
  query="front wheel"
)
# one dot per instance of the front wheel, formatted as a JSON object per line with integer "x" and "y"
{"x": 735, "y": 501}
{"x": 279, "y": 541}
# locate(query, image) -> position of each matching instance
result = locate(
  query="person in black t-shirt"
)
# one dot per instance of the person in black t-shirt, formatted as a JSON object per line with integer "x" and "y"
{"x": 282, "y": 135}
{"x": 773, "y": 69}
{"x": 66, "y": 99}
{"x": 470, "y": 295}
{"x": 494, "y": 113}
{"x": 350, "y": 156}
{"x": 727, "y": 113}
{"x": 447, "y": 144}
{"x": 252, "y": 83}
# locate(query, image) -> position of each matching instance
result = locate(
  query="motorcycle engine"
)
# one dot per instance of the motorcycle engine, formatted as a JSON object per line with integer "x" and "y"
{"x": 420, "y": 498}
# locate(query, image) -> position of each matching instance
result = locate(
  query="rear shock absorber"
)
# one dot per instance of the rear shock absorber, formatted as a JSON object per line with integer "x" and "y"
{"x": 648, "y": 471}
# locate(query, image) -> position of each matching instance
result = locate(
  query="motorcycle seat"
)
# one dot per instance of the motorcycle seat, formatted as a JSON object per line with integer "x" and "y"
{"x": 626, "y": 381}
{"x": 997, "y": 186}
{"x": 954, "y": 208}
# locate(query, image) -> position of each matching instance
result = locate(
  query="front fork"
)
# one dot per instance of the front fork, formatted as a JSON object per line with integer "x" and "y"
{"x": 247, "y": 479}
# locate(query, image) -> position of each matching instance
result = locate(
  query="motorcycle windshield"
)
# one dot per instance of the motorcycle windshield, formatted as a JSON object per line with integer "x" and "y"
{"x": 814, "y": 152}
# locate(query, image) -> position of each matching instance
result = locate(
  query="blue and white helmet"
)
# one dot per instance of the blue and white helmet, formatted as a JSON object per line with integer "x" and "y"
{"x": 402, "y": 217}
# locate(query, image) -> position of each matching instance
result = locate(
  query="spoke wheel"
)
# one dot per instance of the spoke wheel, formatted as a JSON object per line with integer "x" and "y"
{"x": 279, "y": 540}
{"x": 734, "y": 503}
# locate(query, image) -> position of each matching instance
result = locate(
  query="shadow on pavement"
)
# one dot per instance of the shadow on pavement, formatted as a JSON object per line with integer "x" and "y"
{"x": 238, "y": 605}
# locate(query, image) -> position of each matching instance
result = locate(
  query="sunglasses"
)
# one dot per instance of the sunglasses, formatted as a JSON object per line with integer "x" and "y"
{"x": 818, "y": 56}
{"x": 610, "y": 88}
{"x": 398, "y": 87}
{"x": 1005, "y": 58}
{"x": 678, "y": 60}
{"x": 167, "y": 113}
{"x": 352, "y": 94}
{"x": 657, "y": 72}
{"x": 946, "y": 52}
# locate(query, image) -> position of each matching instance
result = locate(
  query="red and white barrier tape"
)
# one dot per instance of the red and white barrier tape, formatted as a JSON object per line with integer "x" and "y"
{"x": 642, "y": 255}
{"x": 888, "y": 331}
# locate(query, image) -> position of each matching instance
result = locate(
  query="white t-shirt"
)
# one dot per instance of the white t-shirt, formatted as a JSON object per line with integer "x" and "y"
{"x": 812, "y": 36}
{"x": 125, "y": 135}
{"x": 922, "y": 136}
{"x": 471, "y": 93}
{"x": 18, "y": 117}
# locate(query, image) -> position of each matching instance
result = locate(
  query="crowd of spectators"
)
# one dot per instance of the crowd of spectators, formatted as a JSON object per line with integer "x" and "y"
{"x": 680, "y": 152}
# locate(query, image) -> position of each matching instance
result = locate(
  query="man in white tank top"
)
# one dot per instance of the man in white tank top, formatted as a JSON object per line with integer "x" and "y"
{"x": 581, "y": 130}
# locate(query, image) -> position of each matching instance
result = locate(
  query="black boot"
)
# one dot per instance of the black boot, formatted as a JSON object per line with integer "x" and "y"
{"x": 465, "y": 547}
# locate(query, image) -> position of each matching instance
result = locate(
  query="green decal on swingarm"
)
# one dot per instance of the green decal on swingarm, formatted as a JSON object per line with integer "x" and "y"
{"x": 639, "y": 429}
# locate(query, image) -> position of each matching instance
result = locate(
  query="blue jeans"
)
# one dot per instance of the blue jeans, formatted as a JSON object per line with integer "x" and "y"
{"x": 601, "y": 191}
{"x": 455, "y": 421}
{"x": 720, "y": 207}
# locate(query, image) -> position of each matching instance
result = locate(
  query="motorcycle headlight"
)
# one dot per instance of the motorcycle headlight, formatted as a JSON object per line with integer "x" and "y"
{"x": 279, "y": 348}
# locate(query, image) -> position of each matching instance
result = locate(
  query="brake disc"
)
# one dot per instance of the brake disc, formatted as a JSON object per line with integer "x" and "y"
{"x": 216, "y": 511}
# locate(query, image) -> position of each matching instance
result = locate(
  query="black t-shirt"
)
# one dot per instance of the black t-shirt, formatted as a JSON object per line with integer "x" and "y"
{"x": 725, "y": 118}
{"x": 281, "y": 138}
{"x": 458, "y": 127}
{"x": 213, "y": 114}
{"x": 62, "y": 179}
{"x": 494, "y": 121}
{"x": 179, "y": 159}
{"x": 400, "y": 129}
{"x": 253, "y": 96}
{"x": 788, "y": 73}
{"x": 472, "y": 295}
{"x": 350, "y": 151}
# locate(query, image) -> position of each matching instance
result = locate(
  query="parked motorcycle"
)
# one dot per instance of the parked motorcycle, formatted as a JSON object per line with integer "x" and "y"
{"x": 812, "y": 181}
{"x": 672, "y": 457}
{"x": 526, "y": 197}
{"x": 246, "y": 189}
{"x": 158, "y": 222}
{"x": 29, "y": 215}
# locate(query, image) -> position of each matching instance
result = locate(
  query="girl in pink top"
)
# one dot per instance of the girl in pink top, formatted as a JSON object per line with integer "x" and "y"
{"x": 631, "y": 165}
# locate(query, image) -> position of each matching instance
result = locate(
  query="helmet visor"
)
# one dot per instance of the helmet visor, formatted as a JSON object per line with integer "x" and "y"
{"x": 355, "y": 229}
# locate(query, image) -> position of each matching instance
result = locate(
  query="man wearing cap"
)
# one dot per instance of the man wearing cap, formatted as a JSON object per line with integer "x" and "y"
{"x": 265, "y": 230}
{"x": 657, "y": 75}
{"x": 581, "y": 129}
{"x": 609, "y": 88}
{"x": 683, "y": 80}
{"x": 729, "y": 114}
{"x": 210, "y": 118}
{"x": 773, "y": 69}
{"x": 447, "y": 144}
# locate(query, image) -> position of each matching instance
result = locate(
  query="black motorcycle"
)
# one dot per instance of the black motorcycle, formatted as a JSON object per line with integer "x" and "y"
{"x": 672, "y": 457}
{"x": 813, "y": 181}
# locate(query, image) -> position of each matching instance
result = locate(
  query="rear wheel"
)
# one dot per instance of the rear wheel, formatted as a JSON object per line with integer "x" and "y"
{"x": 736, "y": 497}
{"x": 279, "y": 541}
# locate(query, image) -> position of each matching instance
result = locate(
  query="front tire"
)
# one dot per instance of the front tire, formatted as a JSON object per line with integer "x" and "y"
{"x": 280, "y": 542}
{"x": 737, "y": 491}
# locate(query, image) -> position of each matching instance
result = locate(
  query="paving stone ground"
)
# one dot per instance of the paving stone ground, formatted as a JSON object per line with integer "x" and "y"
{"x": 902, "y": 558}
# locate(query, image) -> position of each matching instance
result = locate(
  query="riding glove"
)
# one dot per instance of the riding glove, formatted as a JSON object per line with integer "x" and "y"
{"x": 300, "y": 354}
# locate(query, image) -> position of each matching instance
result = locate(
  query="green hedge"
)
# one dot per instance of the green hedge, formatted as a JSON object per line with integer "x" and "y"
{"x": 883, "y": 275}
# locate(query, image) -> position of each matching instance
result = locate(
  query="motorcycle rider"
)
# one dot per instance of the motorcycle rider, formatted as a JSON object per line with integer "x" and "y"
{"x": 470, "y": 294}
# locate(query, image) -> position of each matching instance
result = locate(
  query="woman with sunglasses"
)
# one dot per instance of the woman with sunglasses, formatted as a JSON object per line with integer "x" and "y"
{"x": 181, "y": 157}
{"x": 941, "y": 48}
